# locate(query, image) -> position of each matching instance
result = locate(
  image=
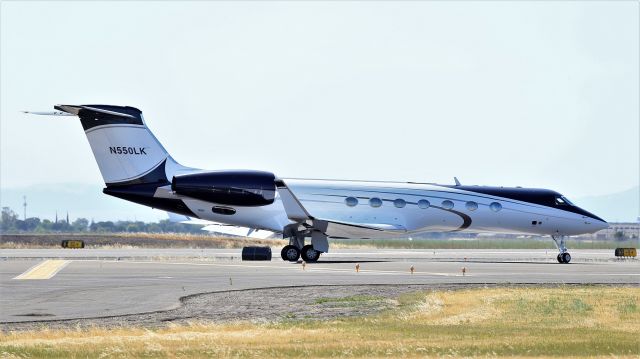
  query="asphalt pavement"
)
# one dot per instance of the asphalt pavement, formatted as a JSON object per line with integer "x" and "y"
{"x": 54, "y": 284}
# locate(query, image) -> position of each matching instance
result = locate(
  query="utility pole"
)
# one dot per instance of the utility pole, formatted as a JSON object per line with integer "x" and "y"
{"x": 24, "y": 198}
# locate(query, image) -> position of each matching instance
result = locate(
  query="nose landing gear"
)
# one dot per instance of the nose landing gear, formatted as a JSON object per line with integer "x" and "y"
{"x": 563, "y": 257}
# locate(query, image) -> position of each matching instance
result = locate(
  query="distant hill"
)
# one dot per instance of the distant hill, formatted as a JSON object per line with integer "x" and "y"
{"x": 616, "y": 207}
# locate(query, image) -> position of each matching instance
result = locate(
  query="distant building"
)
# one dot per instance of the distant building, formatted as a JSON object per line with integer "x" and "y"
{"x": 629, "y": 230}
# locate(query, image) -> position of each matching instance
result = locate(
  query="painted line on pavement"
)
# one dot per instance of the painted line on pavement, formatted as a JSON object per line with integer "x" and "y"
{"x": 44, "y": 270}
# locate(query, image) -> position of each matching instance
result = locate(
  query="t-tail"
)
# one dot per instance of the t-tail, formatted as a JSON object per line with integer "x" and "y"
{"x": 133, "y": 163}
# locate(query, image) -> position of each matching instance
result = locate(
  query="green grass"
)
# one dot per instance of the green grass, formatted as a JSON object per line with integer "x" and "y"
{"x": 628, "y": 306}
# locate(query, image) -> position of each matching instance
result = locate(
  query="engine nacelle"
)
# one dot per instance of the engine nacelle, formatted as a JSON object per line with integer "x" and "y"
{"x": 233, "y": 188}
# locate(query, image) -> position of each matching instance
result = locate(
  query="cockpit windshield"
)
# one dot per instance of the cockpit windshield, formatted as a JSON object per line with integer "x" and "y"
{"x": 563, "y": 201}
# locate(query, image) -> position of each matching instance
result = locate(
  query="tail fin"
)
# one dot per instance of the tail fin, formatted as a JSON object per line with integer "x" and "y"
{"x": 124, "y": 148}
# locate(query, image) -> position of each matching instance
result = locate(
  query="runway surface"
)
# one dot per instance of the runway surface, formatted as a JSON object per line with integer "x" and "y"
{"x": 52, "y": 284}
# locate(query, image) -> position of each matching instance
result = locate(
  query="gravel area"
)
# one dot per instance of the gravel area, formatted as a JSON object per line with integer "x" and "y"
{"x": 256, "y": 305}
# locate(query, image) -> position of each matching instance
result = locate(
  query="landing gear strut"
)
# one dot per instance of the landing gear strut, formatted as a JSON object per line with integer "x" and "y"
{"x": 564, "y": 256}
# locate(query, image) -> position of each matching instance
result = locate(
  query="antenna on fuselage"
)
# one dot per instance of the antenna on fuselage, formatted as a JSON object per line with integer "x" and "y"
{"x": 457, "y": 182}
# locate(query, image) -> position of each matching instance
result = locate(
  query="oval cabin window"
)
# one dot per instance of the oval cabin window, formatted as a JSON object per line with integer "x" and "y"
{"x": 399, "y": 203}
{"x": 424, "y": 204}
{"x": 375, "y": 202}
{"x": 351, "y": 201}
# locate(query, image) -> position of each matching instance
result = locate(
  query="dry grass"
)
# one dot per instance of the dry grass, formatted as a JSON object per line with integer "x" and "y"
{"x": 204, "y": 240}
{"x": 541, "y": 322}
{"x": 133, "y": 240}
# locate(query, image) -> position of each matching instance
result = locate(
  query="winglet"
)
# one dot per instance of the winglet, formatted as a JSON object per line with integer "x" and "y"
{"x": 457, "y": 182}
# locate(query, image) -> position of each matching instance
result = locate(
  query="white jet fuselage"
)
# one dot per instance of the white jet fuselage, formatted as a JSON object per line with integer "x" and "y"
{"x": 392, "y": 209}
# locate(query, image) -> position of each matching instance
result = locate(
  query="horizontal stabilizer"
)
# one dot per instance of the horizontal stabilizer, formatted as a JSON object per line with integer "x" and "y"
{"x": 75, "y": 110}
{"x": 48, "y": 113}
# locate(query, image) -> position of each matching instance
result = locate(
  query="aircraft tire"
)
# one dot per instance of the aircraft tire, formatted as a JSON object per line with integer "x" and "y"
{"x": 559, "y": 257}
{"x": 566, "y": 257}
{"x": 290, "y": 253}
{"x": 309, "y": 254}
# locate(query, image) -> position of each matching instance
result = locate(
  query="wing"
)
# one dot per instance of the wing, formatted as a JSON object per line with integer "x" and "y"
{"x": 222, "y": 228}
{"x": 332, "y": 228}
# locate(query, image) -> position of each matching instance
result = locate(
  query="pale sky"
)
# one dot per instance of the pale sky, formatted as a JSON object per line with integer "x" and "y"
{"x": 536, "y": 94}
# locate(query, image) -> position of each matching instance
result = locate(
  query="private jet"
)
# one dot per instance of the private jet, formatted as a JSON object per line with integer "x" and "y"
{"x": 309, "y": 212}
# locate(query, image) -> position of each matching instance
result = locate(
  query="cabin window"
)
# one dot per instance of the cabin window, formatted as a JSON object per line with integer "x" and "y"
{"x": 495, "y": 206}
{"x": 399, "y": 203}
{"x": 375, "y": 202}
{"x": 424, "y": 204}
{"x": 351, "y": 201}
{"x": 472, "y": 206}
{"x": 446, "y": 204}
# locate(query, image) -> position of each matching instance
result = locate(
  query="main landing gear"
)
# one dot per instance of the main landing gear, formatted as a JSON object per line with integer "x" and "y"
{"x": 296, "y": 248}
{"x": 291, "y": 253}
{"x": 563, "y": 257}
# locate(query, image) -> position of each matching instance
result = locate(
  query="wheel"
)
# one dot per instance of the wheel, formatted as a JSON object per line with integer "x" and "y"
{"x": 309, "y": 254}
{"x": 290, "y": 253}
{"x": 559, "y": 257}
{"x": 566, "y": 257}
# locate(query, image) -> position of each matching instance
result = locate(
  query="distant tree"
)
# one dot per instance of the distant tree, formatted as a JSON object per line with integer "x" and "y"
{"x": 9, "y": 222}
{"x": 31, "y": 224}
{"x": 619, "y": 236}
{"x": 9, "y": 219}
{"x": 135, "y": 227}
{"x": 154, "y": 228}
{"x": 45, "y": 226}
{"x": 106, "y": 226}
{"x": 80, "y": 225}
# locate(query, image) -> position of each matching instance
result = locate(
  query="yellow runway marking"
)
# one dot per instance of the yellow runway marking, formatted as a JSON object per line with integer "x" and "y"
{"x": 44, "y": 270}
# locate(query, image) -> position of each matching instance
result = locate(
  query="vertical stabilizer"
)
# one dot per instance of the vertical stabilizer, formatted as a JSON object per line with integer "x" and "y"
{"x": 124, "y": 148}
